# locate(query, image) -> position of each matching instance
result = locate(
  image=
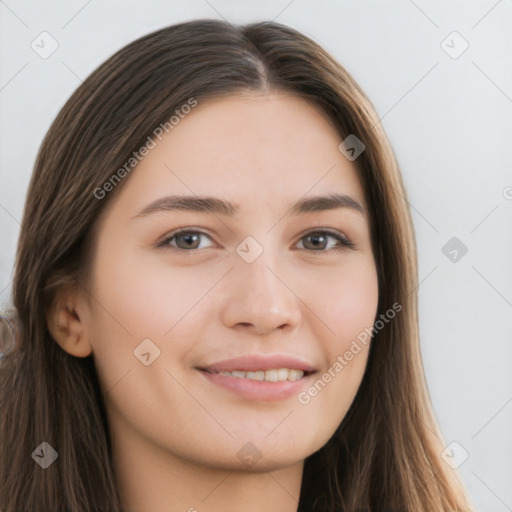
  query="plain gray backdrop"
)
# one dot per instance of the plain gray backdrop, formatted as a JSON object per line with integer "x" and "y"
{"x": 440, "y": 76}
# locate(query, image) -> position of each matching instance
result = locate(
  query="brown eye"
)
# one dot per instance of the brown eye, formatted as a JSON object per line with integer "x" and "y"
{"x": 184, "y": 240}
{"x": 318, "y": 241}
{"x": 190, "y": 241}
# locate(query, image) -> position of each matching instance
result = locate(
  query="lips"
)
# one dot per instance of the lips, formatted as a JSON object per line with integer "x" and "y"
{"x": 242, "y": 376}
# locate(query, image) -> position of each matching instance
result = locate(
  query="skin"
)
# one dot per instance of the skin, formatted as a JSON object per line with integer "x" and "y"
{"x": 175, "y": 434}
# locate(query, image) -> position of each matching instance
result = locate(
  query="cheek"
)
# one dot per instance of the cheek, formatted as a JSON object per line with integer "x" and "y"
{"x": 348, "y": 301}
{"x": 144, "y": 297}
{"x": 136, "y": 299}
{"x": 348, "y": 305}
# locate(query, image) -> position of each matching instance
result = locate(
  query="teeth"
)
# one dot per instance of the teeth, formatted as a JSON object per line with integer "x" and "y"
{"x": 282, "y": 374}
{"x": 274, "y": 375}
{"x": 295, "y": 374}
{"x": 259, "y": 375}
{"x": 271, "y": 375}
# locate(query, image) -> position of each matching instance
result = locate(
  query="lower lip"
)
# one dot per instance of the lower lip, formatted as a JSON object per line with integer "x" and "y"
{"x": 257, "y": 389}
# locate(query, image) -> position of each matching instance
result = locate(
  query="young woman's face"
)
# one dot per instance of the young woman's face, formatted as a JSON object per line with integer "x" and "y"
{"x": 186, "y": 288}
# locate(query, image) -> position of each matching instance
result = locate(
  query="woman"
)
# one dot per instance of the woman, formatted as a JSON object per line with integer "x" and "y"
{"x": 215, "y": 291}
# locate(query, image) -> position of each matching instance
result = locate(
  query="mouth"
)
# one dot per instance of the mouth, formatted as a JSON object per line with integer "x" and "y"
{"x": 272, "y": 375}
{"x": 266, "y": 378}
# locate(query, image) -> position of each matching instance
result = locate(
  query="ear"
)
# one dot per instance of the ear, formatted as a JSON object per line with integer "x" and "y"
{"x": 66, "y": 324}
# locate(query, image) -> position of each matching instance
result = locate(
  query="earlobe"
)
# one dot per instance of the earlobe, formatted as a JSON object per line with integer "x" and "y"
{"x": 67, "y": 328}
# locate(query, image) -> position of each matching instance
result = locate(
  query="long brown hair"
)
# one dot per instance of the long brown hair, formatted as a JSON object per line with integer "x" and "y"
{"x": 385, "y": 455}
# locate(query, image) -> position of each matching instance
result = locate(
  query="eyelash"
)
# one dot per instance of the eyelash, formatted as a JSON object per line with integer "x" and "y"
{"x": 344, "y": 242}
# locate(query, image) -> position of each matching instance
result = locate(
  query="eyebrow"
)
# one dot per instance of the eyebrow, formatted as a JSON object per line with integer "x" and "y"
{"x": 214, "y": 205}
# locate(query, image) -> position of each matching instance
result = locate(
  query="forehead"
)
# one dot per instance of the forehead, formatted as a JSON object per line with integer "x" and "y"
{"x": 249, "y": 147}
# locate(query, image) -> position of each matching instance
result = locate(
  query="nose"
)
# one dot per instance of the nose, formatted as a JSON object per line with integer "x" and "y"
{"x": 259, "y": 300}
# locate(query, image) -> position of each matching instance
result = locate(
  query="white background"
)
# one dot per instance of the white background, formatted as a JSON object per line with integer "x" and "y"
{"x": 448, "y": 119}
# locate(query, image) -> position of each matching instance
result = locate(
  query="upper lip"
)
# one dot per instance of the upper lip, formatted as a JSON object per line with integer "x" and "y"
{"x": 260, "y": 362}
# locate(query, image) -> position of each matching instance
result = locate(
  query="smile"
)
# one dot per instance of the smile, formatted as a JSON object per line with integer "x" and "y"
{"x": 272, "y": 375}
